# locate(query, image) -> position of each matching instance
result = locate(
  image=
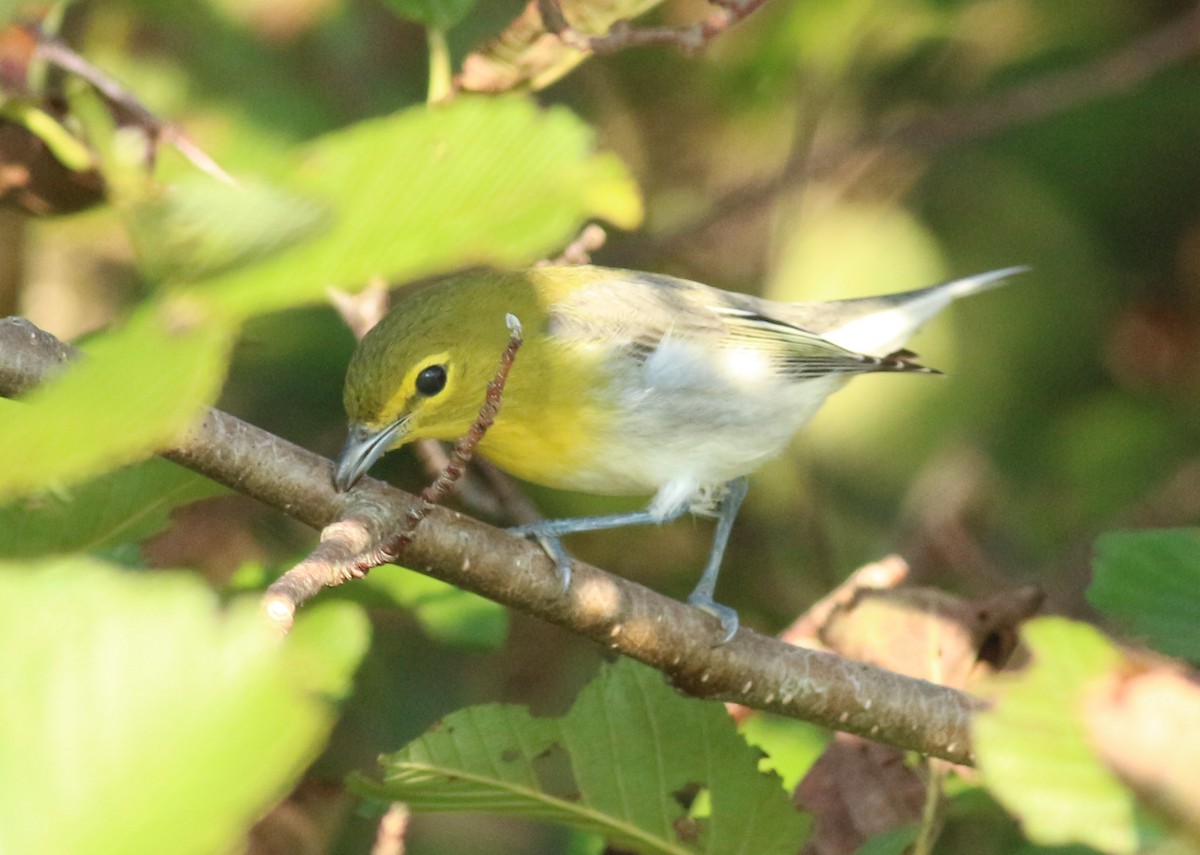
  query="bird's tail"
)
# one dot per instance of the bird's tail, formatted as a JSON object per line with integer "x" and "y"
{"x": 882, "y": 325}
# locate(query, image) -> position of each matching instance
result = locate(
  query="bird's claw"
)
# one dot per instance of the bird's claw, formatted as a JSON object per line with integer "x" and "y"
{"x": 727, "y": 616}
{"x": 553, "y": 547}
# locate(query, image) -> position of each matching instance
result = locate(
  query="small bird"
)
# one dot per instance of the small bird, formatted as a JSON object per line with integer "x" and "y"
{"x": 627, "y": 383}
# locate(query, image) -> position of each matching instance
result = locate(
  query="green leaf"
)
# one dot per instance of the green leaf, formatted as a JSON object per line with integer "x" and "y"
{"x": 1150, "y": 580}
{"x": 135, "y": 391}
{"x": 895, "y": 842}
{"x": 201, "y": 227}
{"x": 478, "y": 181}
{"x": 125, "y": 506}
{"x": 447, "y": 614}
{"x": 439, "y": 14}
{"x": 629, "y": 761}
{"x": 790, "y": 746}
{"x": 1033, "y": 751}
{"x": 139, "y": 716}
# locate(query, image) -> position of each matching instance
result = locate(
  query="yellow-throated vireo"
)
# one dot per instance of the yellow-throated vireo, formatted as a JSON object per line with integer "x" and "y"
{"x": 627, "y": 384}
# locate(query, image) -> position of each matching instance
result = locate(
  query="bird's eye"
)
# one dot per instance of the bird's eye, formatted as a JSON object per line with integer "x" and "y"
{"x": 431, "y": 380}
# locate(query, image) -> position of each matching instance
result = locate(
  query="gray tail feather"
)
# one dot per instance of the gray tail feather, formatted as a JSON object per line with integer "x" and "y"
{"x": 881, "y": 325}
{"x": 979, "y": 282}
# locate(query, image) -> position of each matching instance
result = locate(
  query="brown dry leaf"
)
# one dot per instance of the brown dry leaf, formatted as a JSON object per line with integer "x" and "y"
{"x": 885, "y": 574}
{"x": 927, "y": 633}
{"x": 528, "y": 56}
{"x": 1144, "y": 727}
{"x": 33, "y": 180}
{"x": 888, "y": 572}
{"x": 214, "y": 536}
{"x": 856, "y": 790}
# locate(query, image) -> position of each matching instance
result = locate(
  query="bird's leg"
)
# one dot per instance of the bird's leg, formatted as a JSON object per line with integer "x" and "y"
{"x": 548, "y": 533}
{"x": 553, "y": 547}
{"x": 702, "y": 595}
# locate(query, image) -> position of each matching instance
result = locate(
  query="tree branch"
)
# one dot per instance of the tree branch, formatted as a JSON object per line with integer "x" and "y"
{"x": 759, "y": 672}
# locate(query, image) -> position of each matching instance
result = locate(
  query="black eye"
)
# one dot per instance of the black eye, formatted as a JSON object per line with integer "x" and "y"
{"x": 431, "y": 380}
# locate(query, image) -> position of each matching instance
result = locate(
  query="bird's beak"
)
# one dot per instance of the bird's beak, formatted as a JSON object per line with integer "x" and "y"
{"x": 363, "y": 447}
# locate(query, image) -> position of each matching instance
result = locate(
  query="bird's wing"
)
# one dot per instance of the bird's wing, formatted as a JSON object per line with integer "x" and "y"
{"x": 800, "y": 353}
{"x": 633, "y": 312}
{"x": 637, "y": 312}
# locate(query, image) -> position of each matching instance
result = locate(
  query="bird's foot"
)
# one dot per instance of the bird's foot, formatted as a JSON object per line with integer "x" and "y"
{"x": 553, "y": 547}
{"x": 727, "y": 616}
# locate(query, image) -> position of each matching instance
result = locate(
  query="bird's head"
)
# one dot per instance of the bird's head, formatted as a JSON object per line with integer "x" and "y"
{"x": 422, "y": 371}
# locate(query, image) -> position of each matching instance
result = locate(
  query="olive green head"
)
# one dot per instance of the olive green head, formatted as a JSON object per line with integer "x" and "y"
{"x": 422, "y": 371}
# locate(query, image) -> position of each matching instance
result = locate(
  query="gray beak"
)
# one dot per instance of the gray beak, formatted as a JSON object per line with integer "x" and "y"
{"x": 363, "y": 447}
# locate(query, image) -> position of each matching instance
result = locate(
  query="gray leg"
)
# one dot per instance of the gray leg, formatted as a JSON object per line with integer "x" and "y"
{"x": 702, "y": 596}
{"x": 548, "y": 533}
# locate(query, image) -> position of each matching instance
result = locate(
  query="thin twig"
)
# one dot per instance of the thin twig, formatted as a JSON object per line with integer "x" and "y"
{"x": 579, "y": 251}
{"x": 362, "y": 310}
{"x": 392, "y": 829}
{"x": 54, "y": 51}
{"x": 932, "y": 813}
{"x": 436, "y": 493}
{"x": 347, "y": 550}
{"x": 472, "y": 492}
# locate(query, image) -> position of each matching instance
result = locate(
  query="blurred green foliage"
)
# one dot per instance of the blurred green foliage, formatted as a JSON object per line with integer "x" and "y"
{"x": 821, "y": 149}
{"x": 1148, "y": 580}
{"x": 1034, "y": 754}
{"x": 134, "y": 708}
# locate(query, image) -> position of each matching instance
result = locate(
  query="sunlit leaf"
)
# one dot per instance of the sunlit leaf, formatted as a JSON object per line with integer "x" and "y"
{"x": 1151, "y": 581}
{"x": 478, "y": 181}
{"x": 630, "y": 761}
{"x": 790, "y": 746}
{"x": 446, "y": 613}
{"x": 201, "y": 227}
{"x": 137, "y": 715}
{"x": 133, "y": 392}
{"x": 1033, "y": 751}
{"x": 124, "y": 506}
{"x": 440, "y": 14}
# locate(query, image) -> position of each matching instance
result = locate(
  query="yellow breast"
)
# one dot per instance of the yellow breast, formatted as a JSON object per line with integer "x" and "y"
{"x": 556, "y": 425}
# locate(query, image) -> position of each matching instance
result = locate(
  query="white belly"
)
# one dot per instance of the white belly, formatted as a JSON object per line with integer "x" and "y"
{"x": 687, "y": 423}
